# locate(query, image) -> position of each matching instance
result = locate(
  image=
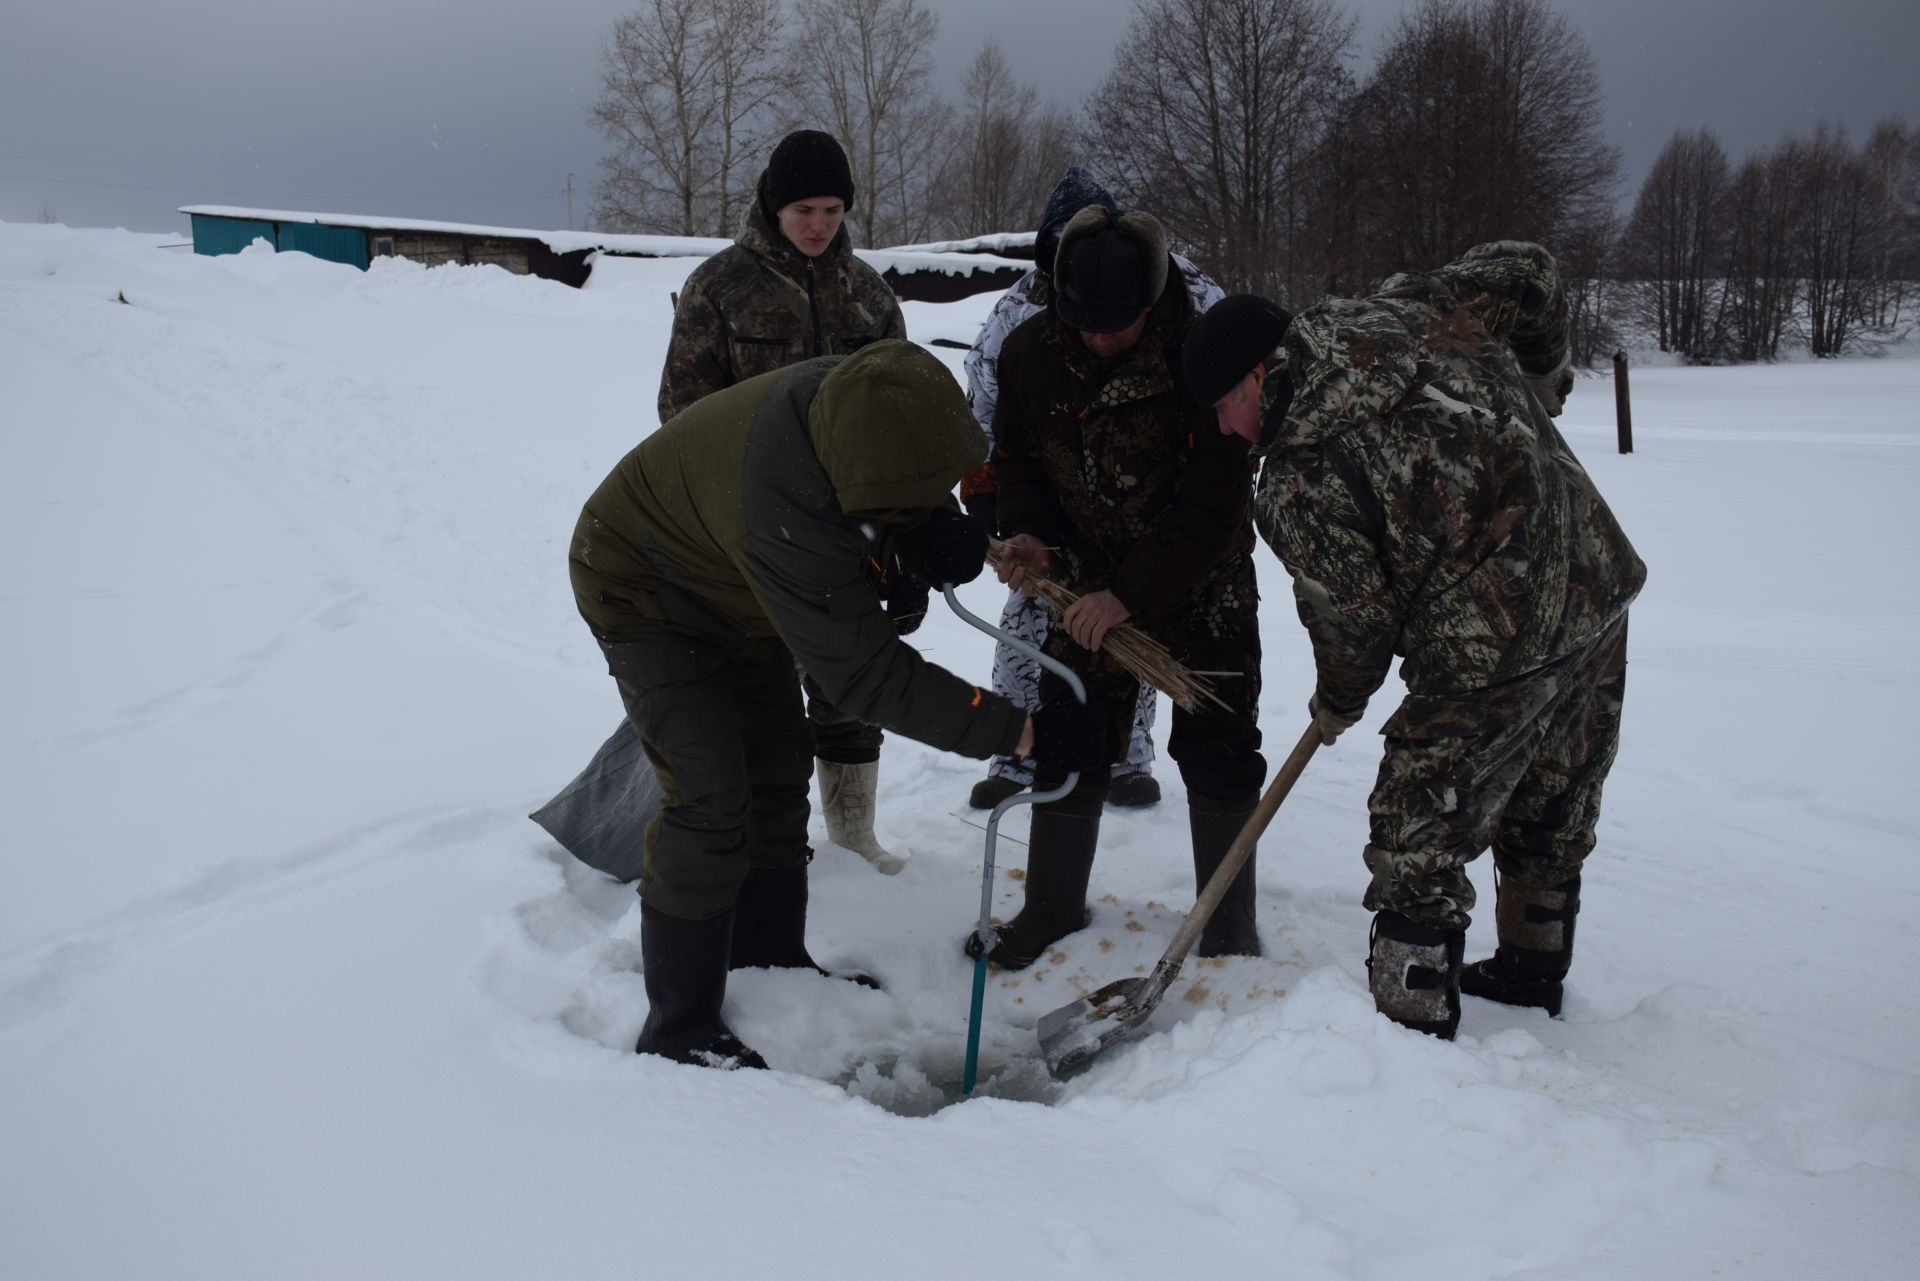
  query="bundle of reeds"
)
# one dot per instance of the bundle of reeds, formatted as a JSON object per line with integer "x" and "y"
{"x": 1132, "y": 648}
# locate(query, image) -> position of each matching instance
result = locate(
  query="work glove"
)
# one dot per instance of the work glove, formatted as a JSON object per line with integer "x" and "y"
{"x": 1327, "y": 720}
{"x": 1069, "y": 734}
{"x": 950, "y": 548}
{"x": 906, "y": 599}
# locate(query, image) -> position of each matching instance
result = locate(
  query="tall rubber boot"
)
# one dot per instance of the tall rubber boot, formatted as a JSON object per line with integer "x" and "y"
{"x": 1414, "y": 973}
{"x": 770, "y": 924}
{"x": 684, "y": 964}
{"x": 1059, "y": 865}
{"x": 847, "y": 794}
{"x": 1529, "y": 967}
{"x": 1232, "y": 930}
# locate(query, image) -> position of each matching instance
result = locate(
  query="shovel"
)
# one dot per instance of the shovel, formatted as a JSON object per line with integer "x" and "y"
{"x": 1072, "y": 1036}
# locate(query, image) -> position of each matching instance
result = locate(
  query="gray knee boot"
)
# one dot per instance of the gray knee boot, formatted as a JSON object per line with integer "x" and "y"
{"x": 847, "y": 794}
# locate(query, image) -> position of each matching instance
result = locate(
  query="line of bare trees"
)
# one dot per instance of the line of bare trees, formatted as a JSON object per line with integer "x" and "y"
{"x": 1276, "y": 164}
{"x": 1811, "y": 240}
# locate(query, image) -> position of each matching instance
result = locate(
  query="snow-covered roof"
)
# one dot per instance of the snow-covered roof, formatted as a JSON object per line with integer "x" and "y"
{"x": 999, "y": 242}
{"x": 904, "y": 260}
{"x": 558, "y": 241}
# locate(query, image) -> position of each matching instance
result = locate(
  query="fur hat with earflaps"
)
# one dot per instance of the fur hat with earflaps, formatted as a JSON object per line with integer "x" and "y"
{"x": 1111, "y": 267}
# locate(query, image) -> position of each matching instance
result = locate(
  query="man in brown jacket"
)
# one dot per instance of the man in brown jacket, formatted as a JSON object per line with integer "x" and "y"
{"x": 741, "y": 536}
{"x": 1114, "y": 484}
{"x": 789, "y": 288}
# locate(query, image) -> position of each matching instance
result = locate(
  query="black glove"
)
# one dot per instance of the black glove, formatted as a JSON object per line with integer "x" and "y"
{"x": 949, "y": 548}
{"x": 1069, "y": 734}
{"x": 983, "y": 507}
{"x": 906, "y": 599}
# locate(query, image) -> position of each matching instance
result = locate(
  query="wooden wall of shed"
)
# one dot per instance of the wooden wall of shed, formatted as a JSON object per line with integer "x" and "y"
{"x": 938, "y": 286}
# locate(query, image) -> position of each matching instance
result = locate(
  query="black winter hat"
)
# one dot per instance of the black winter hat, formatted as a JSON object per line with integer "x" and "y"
{"x": 1112, "y": 267}
{"x": 1075, "y": 191}
{"x": 807, "y": 163}
{"x": 1228, "y": 340}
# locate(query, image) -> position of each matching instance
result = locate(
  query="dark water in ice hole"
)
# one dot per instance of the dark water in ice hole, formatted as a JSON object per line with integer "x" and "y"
{"x": 926, "y": 1079}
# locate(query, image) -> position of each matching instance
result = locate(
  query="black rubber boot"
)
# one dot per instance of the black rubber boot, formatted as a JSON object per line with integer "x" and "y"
{"x": 1133, "y": 791}
{"x": 770, "y": 924}
{"x": 1414, "y": 973}
{"x": 1063, "y": 838}
{"x": 684, "y": 964}
{"x": 1530, "y": 966}
{"x": 1232, "y": 930}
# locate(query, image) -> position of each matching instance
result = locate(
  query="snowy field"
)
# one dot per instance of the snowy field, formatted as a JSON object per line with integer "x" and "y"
{"x": 291, "y": 988}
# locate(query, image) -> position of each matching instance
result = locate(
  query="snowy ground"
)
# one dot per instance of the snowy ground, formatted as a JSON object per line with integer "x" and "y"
{"x": 289, "y": 987}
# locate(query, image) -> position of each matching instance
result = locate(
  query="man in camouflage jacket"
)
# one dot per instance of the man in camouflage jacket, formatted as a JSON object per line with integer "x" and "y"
{"x": 1416, "y": 488}
{"x": 1015, "y": 674}
{"x": 1114, "y": 484}
{"x": 788, "y": 289}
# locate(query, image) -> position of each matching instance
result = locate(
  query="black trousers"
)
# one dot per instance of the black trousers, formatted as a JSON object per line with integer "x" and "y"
{"x": 1216, "y": 746}
{"x": 727, "y": 734}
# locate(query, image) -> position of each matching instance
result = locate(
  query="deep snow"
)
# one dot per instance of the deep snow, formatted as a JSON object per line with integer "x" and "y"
{"x": 290, "y": 987}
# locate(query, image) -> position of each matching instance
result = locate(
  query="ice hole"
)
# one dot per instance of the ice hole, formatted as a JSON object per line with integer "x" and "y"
{"x": 927, "y": 1080}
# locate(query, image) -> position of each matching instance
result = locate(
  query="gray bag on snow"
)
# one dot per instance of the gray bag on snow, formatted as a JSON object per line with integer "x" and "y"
{"x": 601, "y": 817}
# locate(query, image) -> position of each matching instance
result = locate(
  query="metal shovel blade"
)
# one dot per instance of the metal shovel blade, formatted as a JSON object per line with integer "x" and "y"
{"x": 1073, "y": 1036}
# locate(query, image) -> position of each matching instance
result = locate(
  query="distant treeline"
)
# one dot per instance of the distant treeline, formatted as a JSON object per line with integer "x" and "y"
{"x": 1244, "y": 126}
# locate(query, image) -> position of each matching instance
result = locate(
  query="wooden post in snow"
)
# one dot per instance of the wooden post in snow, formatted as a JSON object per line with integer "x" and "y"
{"x": 1622, "y": 407}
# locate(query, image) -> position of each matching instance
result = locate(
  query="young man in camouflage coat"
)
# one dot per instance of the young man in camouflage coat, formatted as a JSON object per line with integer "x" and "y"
{"x": 1418, "y": 492}
{"x": 1113, "y": 483}
{"x": 1014, "y": 674}
{"x": 788, "y": 289}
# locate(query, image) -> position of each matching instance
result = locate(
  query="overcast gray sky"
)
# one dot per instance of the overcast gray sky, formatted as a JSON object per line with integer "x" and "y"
{"x": 117, "y": 112}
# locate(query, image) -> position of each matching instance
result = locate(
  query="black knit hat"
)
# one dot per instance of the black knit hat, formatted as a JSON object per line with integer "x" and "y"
{"x": 807, "y": 163}
{"x": 1228, "y": 340}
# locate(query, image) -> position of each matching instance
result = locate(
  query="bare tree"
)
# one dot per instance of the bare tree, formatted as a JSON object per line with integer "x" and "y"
{"x": 1587, "y": 249}
{"x": 1833, "y": 238}
{"x": 1210, "y": 118}
{"x": 1675, "y": 242}
{"x": 1005, "y": 152}
{"x": 1480, "y": 122}
{"x": 859, "y": 69}
{"x": 1892, "y": 159}
{"x": 1759, "y": 281}
{"x": 684, "y": 88}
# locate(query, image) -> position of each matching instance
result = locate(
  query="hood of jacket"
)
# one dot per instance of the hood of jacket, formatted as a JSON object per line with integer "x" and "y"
{"x": 1076, "y": 190}
{"x": 891, "y": 428}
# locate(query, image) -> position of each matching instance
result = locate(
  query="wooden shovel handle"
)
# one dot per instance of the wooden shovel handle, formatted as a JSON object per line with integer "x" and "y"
{"x": 1242, "y": 848}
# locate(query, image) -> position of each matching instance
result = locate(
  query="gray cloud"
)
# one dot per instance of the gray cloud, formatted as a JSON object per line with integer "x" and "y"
{"x": 116, "y": 112}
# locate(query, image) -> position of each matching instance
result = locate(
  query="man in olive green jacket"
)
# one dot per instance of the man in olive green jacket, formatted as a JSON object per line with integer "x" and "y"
{"x": 742, "y": 536}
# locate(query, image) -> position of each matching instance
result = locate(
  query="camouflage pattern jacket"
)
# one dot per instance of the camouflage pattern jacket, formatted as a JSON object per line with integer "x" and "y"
{"x": 1420, "y": 494}
{"x": 1114, "y": 465}
{"x": 761, "y": 305}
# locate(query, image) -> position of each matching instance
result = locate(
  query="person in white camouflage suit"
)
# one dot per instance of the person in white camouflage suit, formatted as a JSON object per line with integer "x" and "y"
{"x": 1016, "y": 676}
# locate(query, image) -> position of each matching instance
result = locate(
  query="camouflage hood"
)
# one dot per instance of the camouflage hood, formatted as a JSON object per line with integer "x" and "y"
{"x": 891, "y": 427}
{"x": 1351, "y": 359}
